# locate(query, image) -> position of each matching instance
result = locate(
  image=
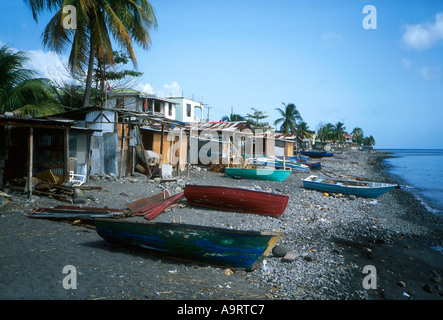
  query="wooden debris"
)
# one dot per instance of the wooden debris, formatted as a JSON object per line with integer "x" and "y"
{"x": 151, "y": 207}
{"x": 46, "y": 187}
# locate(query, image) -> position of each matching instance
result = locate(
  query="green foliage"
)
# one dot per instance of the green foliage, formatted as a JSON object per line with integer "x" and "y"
{"x": 20, "y": 91}
{"x": 255, "y": 120}
{"x": 233, "y": 118}
{"x": 289, "y": 118}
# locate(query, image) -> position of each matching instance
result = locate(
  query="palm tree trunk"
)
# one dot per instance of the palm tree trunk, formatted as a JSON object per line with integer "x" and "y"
{"x": 89, "y": 76}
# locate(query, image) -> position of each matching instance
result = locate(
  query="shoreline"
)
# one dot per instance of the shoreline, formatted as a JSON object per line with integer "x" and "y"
{"x": 333, "y": 237}
{"x": 401, "y": 181}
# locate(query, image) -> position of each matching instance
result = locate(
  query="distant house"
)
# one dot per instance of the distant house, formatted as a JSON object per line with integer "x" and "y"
{"x": 348, "y": 138}
{"x": 185, "y": 109}
{"x": 219, "y": 142}
{"x": 276, "y": 143}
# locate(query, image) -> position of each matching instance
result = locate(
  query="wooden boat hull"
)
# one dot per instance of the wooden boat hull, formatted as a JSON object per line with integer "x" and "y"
{"x": 314, "y": 165}
{"x": 236, "y": 199}
{"x": 317, "y": 154}
{"x": 301, "y": 159}
{"x": 258, "y": 174}
{"x": 228, "y": 248}
{"x": 280, "y": 164}
{"x": 359, "y": 188}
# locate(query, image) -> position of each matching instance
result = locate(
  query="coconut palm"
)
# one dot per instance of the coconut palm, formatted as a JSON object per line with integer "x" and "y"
{"x": 97, "y": 21}
{"x": 289, "y": 118}
{"x": 357, "y": 135}
{"x": 338, "y": 131}
{"x": 21, "y": 92}
{"x": 233, "y": 118}
{"x": 369, "y": 141}
{"x": 325, "y": 132}
{"x": 303, "y": 130}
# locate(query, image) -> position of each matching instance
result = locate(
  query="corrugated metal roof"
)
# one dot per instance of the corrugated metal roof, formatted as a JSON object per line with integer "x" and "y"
{"x": 221, "y": 126}
{"x": 277, "y": 136}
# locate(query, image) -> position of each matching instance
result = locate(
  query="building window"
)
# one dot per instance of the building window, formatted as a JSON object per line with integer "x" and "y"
{"x": 120, "y": 104}
{"x": 170, "y": 110}
{"x": 188, "y": 110}
{"x": 157, "y": 106}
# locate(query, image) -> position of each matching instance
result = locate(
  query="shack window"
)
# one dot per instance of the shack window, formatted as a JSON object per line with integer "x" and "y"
{"x": 120, "y": 104}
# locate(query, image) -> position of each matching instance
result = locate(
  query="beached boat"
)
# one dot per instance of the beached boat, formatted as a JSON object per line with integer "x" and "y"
{"x": 359, "y": 188}
{"x": 313, "y": 165}
{"x": 258, "y": 173}
{"x": 280, "y": 164}
{"x": 222, "y": 247}
{"x": 236, "y": 199}
{"x": 317, "y": 154}
{"x": 301, "y": 159}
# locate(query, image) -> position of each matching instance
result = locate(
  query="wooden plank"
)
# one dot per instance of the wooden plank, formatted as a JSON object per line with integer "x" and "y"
{"x": 145, "y": 203}
{"x": 30, "y": 160}
{"x": 66, "y": 155}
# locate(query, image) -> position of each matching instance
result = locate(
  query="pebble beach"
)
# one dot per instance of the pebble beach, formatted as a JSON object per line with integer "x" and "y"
{"x": 327, "y": 241}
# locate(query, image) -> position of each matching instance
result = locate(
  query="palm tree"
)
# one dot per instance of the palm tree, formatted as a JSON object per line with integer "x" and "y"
{"x": 369, "y": 141}
{"x": 97, "y": 20}
{"x": 303, "y": 130}
{"x": 357, "y": 135}
{"x": 289, "y": 118}
{"x": 20, "y": 91}
{"x": 338, "y": 131}
{"x": 325, "y": 132}
{"x": 233, "y": 118}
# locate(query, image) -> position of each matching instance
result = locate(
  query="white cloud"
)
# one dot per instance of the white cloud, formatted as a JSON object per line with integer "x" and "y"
{"x": 170, "y": 90}
{"x": 424, "y": 36}
{"x": 146, "y": 88}
{"x": 49, "y": 65}
{"x": 431, "y": 74}
{"x": 167, "y": 90}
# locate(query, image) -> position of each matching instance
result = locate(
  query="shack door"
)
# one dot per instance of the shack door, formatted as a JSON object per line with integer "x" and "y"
{"x": 125, "y": 152}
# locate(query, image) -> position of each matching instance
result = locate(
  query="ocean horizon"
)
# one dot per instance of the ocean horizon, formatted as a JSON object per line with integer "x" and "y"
{"x": 419, "y": 171}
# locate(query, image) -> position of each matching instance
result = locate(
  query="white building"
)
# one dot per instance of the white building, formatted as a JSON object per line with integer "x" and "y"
{"x": 134, "y": 100}
{"x": 185, "y": 109}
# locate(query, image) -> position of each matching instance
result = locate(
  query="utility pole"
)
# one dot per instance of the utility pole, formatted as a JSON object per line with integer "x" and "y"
{"x": 208, "y": 112}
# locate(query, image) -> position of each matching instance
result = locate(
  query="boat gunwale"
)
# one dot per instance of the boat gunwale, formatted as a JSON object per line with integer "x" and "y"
{"x": 192, "y": 226}
{"x": 240, "y": 189}
{"x": 383, "y": 185}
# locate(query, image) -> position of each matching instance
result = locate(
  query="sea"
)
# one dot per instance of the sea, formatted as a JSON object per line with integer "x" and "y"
{"x": 419, "y": 171}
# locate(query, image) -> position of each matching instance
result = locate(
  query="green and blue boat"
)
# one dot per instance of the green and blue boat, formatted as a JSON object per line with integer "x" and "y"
{"x": 365, "y": 189}
{"x": 268, "y": 174}
{"x": 235, "y": 249}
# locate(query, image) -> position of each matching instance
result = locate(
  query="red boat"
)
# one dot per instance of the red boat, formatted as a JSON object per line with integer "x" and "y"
{"x": 236, "y": 199}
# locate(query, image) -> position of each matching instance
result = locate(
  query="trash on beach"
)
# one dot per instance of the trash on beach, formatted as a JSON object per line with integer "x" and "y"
{"x": 45, "y": 186}
{"x": 76, "y": 213}
{"x": 151, "y": 207}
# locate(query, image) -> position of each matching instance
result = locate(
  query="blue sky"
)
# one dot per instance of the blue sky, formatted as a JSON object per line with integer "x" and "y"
{"x": 316, "y": 54}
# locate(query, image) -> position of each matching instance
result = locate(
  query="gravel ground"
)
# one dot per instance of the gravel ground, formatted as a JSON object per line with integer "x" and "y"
{"x": 332, "y": 238}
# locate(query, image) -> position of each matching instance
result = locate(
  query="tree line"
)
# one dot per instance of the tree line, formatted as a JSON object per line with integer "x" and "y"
{"x": 291, "y": 121}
